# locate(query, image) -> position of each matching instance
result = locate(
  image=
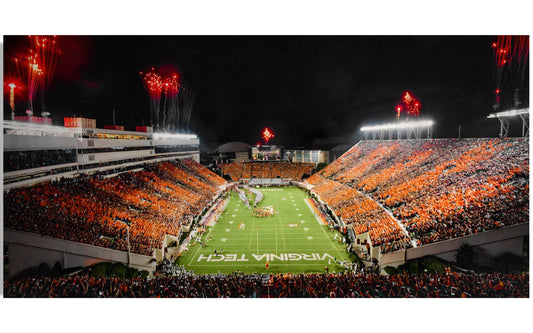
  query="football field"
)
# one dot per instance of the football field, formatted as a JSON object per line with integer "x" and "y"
{"x": 291, "y": 240}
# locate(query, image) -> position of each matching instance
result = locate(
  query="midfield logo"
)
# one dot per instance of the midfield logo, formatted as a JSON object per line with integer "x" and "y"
{"x": 270, "y": 257}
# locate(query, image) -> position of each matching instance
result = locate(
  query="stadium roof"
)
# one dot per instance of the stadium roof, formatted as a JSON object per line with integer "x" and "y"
{"x": 232, "y": 147}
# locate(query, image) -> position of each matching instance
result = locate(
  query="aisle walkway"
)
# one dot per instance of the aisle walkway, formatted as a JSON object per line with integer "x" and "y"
{"x": 400, "y": 224}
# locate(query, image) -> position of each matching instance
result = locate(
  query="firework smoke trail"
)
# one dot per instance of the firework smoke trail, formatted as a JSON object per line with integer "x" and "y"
{"x": 188, "y": 102}
{"x": 177, "y": 123}
{"x": 165, "y": 92}
{"x": 174, "y": 101}
{"x": 34, "y": 77}
{"x": 172, "y": 88}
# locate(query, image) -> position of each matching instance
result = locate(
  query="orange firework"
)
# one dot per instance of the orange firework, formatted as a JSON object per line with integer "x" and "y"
{"x": 12, "y": 87}
{"x": 45, "y": 49}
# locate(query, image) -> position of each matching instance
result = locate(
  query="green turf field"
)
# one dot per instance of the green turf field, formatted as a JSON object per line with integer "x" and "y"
{"x": 291, "y": 240}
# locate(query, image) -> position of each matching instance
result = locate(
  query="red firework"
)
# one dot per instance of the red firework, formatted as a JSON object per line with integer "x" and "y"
{"x": 154, "y": 86}
{"x": 166, "y": 86}
{"x": 172, "y": 85}
{"x": 511, "y": 59}
{"x": 267, "y": 134}
{"x": 36, "y": 69}
{"x": 399, "y": 110}
{"x": 409, "y": 104}
{"x": 45, "y": 48}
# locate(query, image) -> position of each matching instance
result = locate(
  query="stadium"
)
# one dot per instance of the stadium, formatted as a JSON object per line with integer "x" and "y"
{"x": 151, "y": 211}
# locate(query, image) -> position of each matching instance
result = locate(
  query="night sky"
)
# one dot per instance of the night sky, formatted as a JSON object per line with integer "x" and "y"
{"x": 303, "y": 87}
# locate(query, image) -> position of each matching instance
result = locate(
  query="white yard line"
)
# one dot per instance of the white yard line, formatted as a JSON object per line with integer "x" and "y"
{"x": 281, "y": 226}
{"x": 276, "y": 241}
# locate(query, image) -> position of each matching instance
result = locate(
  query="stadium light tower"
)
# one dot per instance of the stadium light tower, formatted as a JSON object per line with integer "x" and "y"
{"x": 504, "y": 122}
{"x": 412, "y": 129}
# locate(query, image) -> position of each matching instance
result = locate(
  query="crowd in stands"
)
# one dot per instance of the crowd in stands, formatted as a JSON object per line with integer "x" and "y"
{"x": 439, "y": 189}
{"x": 263, "y": 170}
{"x": 363, "y": 213}
{"x": 448, "y": 284}
{"x": 433, "y": 285}
{"x": 94, "y": 210}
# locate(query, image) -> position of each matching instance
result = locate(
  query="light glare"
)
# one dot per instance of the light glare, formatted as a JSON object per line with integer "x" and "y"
{"x": 402, "y": 125}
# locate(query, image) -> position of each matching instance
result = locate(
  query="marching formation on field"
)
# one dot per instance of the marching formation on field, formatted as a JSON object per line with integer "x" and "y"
{"x": 255, "y": 211}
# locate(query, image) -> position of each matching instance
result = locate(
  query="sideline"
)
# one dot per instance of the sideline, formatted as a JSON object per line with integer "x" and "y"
{"x": 318, "y": 218}
{"x": 321, "y": 226}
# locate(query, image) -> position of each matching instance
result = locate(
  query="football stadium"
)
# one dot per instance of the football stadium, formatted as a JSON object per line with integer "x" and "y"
{"x": 151, "y": 210}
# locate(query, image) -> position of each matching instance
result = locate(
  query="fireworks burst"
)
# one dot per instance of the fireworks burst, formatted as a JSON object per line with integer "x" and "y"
{"x": 153, "y": 85}
{"x": 409, "y": 105}
{"x": 267, "y": 134}
{"x": 36, "y": 68}
{"x": 164, "y": 84}
{"x": 511, "y": 59}
{"x": 45, "y": 50}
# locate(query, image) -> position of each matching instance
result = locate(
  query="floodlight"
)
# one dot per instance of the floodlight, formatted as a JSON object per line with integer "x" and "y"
{"x": 174, "y": 136}
{"x": 510, "y": 113}
{"x": 402, "y": 125}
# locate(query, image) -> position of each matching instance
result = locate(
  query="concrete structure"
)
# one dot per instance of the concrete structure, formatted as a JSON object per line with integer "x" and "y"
{"x": 28, "y": 250}
{"x": 486, "y": 245}
{"x": 41, "y": 152}
{"x": 306, "y": 156}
